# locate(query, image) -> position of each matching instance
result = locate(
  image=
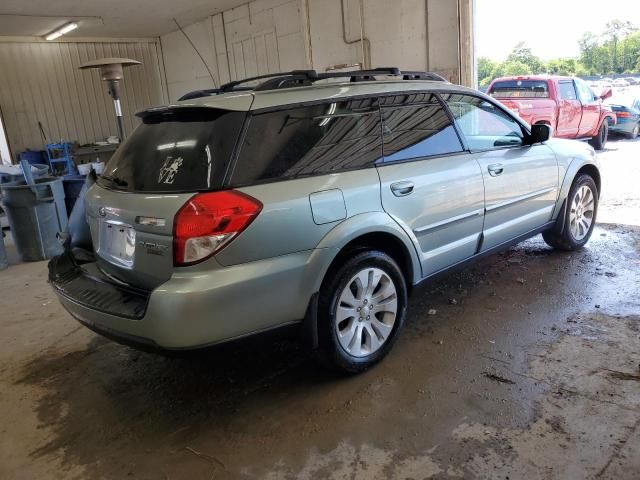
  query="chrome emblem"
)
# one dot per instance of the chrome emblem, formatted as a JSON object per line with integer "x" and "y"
{"x": 102, "y": 212}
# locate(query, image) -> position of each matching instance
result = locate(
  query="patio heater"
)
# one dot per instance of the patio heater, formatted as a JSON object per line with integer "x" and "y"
{"x": 111, "y": 71}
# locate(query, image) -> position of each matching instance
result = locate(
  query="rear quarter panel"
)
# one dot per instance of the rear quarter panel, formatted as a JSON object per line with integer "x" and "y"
{"x": 286, "y": 223}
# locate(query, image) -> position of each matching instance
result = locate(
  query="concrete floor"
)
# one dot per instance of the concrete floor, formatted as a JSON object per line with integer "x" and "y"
{"x": 529, "y": 368}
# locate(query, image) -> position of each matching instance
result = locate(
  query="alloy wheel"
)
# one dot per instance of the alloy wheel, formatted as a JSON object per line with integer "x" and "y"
{"x": 366, "y": 312}
{"x": 582, "y": 212}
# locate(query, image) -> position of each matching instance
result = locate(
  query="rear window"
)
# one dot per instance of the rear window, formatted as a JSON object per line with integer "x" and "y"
{"x": 520, "y": 89}
{"x": 177, "y": 150}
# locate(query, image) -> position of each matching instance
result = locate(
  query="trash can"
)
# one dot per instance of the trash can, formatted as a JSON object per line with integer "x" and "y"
{"x": 72, "y": 186}
{"x": 36, "y": 214}
{"x": 4, "y": 262}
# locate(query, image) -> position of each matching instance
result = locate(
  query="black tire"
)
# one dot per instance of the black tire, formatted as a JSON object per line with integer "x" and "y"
{"x": 599, "y": 141}
{"x": 330, "y": 352}
{"x": 561, "y": 236}
{"x": 634, "y": 134}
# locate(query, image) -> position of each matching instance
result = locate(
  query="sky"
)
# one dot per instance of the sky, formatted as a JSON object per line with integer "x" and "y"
{"x": 551, "y": 28}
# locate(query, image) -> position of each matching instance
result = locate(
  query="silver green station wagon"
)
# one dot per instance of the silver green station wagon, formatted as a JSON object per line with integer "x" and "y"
{"x": 317, "y": 199}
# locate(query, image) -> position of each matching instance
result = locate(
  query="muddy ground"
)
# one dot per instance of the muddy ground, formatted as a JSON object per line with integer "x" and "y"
{"x": 529, "y": 368}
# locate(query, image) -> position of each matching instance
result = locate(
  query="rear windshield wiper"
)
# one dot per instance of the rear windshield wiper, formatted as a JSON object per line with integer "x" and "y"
{"x": 116, "y": 181}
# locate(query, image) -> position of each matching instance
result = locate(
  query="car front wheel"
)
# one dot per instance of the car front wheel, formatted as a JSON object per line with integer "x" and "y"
{"x": 361, "y": 310}
{"x": 580, "y": 218}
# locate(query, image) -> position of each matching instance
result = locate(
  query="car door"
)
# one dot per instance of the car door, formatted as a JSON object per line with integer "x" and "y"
{"x": 591, "y": 106}
{"x": 520, "y": 181}
{"x": 569, "y": 110}
{"x": 430, "y": 185}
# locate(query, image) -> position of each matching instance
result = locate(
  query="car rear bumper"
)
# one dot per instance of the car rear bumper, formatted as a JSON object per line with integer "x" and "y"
{"x": 193, "y": 309}
{"x": 623, "y": 126}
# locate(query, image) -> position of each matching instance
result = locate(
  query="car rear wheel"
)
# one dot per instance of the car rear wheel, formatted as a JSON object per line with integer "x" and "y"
{"x": 580, "y": 218}
{"x": 634, "y": 133}
{"x": 361, "y": 309}
{"x": 598, "y": 142}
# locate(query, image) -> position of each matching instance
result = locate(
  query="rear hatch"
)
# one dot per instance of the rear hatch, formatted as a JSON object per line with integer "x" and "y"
{"x": 171, "y": 156}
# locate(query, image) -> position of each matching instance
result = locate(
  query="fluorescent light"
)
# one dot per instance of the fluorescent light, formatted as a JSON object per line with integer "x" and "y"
{"x": 62, "y": 30}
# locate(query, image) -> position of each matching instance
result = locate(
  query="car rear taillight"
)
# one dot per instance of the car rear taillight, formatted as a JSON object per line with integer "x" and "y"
{"x": 623, "y": 114}
{"x": 208, "y": 222}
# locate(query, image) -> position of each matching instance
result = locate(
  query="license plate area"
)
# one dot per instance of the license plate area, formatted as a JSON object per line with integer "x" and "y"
{"x": 117, "y": 243}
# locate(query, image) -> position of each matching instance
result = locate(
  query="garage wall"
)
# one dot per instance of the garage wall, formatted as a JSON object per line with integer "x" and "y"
{"x": 431, "y": 35}
{"x": 262, "y": 36}
{"x": 266, "y": 36}
{"x": 41, "y": 82}
{"x": 368, "y": 31}
{"x": 185, "y": 70}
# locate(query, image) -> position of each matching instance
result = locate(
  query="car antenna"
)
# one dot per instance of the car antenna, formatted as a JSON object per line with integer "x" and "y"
{"x": 215, "y": 84}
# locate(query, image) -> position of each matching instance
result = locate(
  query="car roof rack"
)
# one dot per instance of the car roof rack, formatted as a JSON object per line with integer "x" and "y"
{"x": 298, "y": 78}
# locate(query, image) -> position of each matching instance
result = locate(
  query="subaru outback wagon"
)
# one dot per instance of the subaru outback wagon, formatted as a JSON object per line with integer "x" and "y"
{"x": 317, "y": 200}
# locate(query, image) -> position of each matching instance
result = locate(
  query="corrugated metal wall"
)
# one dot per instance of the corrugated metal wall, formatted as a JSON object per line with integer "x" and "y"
{"x": 41, "y": 82}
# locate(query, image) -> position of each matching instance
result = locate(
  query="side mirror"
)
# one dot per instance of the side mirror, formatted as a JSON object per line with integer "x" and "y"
{"x": 540, "y": 133}
{"x": 607, "y": 93}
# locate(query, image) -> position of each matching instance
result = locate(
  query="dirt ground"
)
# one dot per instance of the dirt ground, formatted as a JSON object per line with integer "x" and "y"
{"x": 529, "y": 368}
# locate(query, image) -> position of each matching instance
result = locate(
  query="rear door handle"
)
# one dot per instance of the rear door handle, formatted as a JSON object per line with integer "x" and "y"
{"x": 401, "y": 189}
{"x": 495, "y": 169}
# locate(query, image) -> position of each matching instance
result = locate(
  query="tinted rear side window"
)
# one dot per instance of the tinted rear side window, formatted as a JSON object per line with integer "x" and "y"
{"x": 414, "y": 131}
{"x": 310, "y": 140}
{"x": 179, "y": 150}
{"x": 520, "y": 89}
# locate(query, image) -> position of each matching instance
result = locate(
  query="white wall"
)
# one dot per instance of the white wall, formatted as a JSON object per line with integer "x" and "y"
{"x": 41, "y": 82}
{"x": 185, "y": 70}
{"x": 391, "y": 36}
{"x": 266, "y": 36}
{"x": 263, "y": 36}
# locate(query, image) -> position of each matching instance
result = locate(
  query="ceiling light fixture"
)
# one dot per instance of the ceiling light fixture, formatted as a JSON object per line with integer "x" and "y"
{"x": 61, "y": 31}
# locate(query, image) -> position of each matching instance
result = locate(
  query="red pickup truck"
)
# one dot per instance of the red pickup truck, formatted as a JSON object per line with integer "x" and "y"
{"x": 567, "y": 104}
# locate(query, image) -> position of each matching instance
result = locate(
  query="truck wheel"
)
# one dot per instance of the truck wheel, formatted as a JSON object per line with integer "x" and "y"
{"x": 580, "y": 218}
{"x": 598, "y": 142}
{"x": 361, "y": 310}
{"x": 634, "y": 133}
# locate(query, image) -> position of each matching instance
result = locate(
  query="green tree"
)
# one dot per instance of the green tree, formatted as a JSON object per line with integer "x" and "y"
{"x": 514, "y": 67}
{"x": 486, "y": 67}
{"x": 588, "y": 44}
{"x": 563, "y": 66}
{"x": 630, "y": 51}
{"x": 615, "y": 31}
{"x": 616, "y": 51}
{"x": 524, "y": 55}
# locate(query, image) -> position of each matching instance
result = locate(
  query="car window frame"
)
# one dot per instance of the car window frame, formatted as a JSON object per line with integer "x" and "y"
{"x": 526, "y": 130}
{"x": 461, "y": 139}
{"x": 575, "y": 90}
{"x": 290, "y": 106}
{"x": 581, "y": 84}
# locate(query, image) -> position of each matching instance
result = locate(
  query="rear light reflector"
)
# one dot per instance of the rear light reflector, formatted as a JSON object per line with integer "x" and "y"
{"x": 208, "y": 222}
